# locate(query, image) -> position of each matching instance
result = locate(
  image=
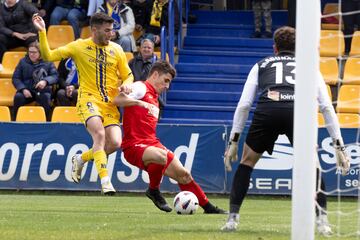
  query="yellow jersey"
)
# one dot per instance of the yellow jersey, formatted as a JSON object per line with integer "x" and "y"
{"x": 101, "y": 69}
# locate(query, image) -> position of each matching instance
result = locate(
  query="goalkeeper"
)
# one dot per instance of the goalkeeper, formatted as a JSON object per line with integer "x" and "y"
{"x": 274, "y": 78}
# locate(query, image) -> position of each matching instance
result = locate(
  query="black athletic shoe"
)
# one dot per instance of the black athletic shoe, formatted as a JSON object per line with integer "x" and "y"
{"x": 211, "y": 209}
{"x": 158, "y": 200}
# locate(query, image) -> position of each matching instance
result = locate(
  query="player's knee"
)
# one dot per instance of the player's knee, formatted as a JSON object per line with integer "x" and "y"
{"x": 162, "y": 157}
{"x": 99, "y": 135}
{"x": 112, "y": 146}
{"x": 185, "y": 177}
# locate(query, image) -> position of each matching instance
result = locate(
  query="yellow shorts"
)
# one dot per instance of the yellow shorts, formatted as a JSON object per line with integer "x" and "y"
{"x": 89, "y": 106}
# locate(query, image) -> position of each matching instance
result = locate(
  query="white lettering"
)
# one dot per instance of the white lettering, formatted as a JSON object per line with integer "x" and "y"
{"x": 263, "y": 183}
{"x": 30, "y": 149}
{"x": 283, "y": 183}
{"x": 134, "y": 172}
{"x": 189, "y": 151}
{"x": 329, "y": 157}
{"x": 59, "y": 149}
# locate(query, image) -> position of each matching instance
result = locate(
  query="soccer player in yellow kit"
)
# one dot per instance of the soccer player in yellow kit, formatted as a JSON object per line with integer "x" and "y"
{"x": 100, "y": 64}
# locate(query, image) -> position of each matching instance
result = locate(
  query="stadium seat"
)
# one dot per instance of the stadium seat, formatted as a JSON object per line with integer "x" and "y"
{"x": 332, "y": 43}
{"x": 330, "y": 70}
{"x": 159, "y": 55}
{"x": 85, "y": 32}
{"x": 7, "y": 92}
{"x": 31, "y": 114}
{"x": 5, "y": 114}
{"x": 18, "y": 49}
{"x": 10, "y": 61}
{"x": 355, "y": 44}
{"x": 349, "y": 99}
{"x": 65, "y": 114}
{"x": 329, "y": 91}
{"x": 129, "y": 55}
{"x": 56, "y": 63}
{"x": 331, "y": 8}
{"x": 60, "y": 35}
{"x": 137, "y": 34}
{"x": 321, "y": 121}
{"x": 352, "y": 71}
{"x": 349, "y": 120}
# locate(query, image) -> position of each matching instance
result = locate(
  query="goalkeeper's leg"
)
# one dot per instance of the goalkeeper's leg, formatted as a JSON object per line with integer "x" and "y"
{"x": 240, "y": 186}
{"x": 322, "y": 223}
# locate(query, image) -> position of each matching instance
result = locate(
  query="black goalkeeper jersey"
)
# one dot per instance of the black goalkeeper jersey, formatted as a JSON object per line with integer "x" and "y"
{"x": 276, "y": 79}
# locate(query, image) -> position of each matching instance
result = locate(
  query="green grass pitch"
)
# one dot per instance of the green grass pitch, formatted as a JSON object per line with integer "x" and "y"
{"x": 83, "y": 216}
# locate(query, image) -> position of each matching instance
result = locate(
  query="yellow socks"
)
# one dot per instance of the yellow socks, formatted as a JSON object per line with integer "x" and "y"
{"x": 100, "y": 160}
{"x": 87, "y": 156}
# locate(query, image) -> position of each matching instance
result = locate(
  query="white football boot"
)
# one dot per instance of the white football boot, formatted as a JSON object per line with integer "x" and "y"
{"x": 232, "y": 223}
{"x": 76, "y": 169}
{"x": 107, "y": 188}
{"x": 323, "y": 226}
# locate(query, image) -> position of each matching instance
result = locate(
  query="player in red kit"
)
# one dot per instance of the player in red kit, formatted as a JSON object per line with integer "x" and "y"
{"x": 141, "y": 146}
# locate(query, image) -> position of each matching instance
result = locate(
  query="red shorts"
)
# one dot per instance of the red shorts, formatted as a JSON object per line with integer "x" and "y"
{"x": 134, "y": 154}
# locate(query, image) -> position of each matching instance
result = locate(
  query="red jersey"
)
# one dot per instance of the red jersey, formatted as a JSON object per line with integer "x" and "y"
{"x": 139, "y": 124}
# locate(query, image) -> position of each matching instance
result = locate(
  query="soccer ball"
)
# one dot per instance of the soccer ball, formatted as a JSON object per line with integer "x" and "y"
{"x": 186, "y": 202}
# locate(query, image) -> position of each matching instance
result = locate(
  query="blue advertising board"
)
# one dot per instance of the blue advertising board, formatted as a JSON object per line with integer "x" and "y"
{"x": 38, "y": 156}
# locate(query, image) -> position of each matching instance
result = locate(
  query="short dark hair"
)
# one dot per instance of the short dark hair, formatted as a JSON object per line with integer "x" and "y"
{"x": 162, "y": 67}
{"x": 100, "y": 18}
{"x": 284, "y": 39}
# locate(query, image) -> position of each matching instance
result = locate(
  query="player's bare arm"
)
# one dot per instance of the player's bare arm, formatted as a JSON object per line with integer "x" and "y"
{"x": 123, "y": 100}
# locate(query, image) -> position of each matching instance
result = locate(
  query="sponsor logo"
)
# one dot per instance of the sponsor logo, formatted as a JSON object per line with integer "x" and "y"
{"x": 16, "y": 159}
{"x": 282, "y": 157}
{"x": 273, "y": 95}
{"x": 287, "y": 96}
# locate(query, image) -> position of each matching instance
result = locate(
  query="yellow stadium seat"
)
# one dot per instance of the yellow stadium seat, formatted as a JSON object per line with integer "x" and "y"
{"x": 57, "y": 64}
{"x": 137, "y": 34}
{"x": 7, "y": 92}
{"x": 355, "y": 44}
{"x": 159, "y": 55}
{"x": 18, "y": 49}
{"x": 331, "y": 8}
{"x": 329, "y": 91}
{"x": 10, "y": 61}
{"x": 65, "y": 114}
{"x": 330, "y": 70}
{"x": 349, "y": 99}
{"x": 31, "y": 114}
{"x": 85, "y": 32}
{"x": 349, "y": 120}
{"x": 60, "y": 35}
{"x": 129, "y": 56}
{"x": 352, "y": 71}
{"x": 5, "y": 114}
{"x": 332, "y": 43}
{"x": 321, "y": 121}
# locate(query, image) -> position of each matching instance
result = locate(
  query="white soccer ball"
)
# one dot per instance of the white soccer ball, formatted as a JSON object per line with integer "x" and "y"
{"x": 186, "y": 202}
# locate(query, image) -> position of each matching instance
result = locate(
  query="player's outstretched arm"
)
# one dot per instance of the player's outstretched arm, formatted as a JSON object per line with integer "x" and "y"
{"x": 123, "y": 100}
{"x": 38, "y": 22}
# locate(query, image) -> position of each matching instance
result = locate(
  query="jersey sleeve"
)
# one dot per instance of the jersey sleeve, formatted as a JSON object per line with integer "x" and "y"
{"x": 326, "y": 108}
{"x": 138, "y": 90}
{"x": 245, "y": 102}
{"x": 126, "y": 75}
{"x": 54, "y": 55}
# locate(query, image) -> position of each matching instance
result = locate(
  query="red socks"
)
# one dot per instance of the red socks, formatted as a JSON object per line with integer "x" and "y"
{"x": 155, "y": 174}
{"x": 196, "y": 189}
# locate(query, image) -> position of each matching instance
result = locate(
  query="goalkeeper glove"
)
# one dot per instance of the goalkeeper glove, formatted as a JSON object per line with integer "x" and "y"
{"x": 231, "y": 155}
{"x": 342, "y": 159}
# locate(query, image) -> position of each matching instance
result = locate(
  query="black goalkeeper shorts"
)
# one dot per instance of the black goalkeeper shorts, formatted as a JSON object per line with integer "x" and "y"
{"x": 267, "y": 125}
